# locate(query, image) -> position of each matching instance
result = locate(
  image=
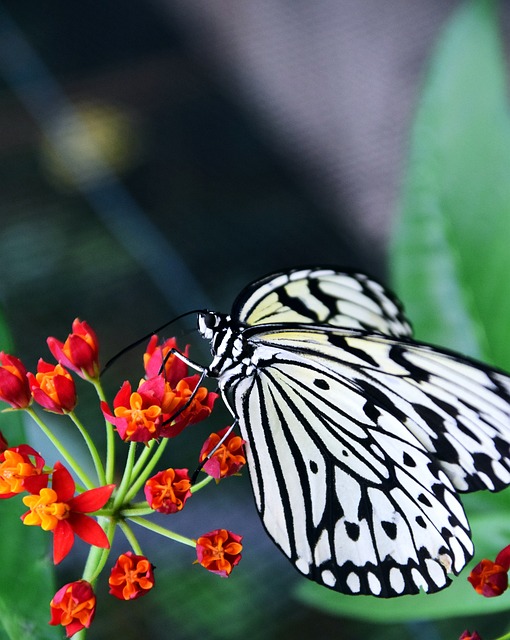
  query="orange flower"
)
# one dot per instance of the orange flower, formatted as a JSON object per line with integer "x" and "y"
{"x": 168, "y": 490}
{"x": 174, "y": 370}
{"x": 227, "y": 459}
{"x": 53, "y": 387}
{"x": 137, "y": 416}
{"x": 21, "y": 469}
{"x": 490, "y": 578}
{"x": 219, "y": 551}
{"x": 56, "y": 509}
{"x": 73, "y": 606}
{"x": 176, "y": 398}
{"x": 80, "y": 352}
{"x": 14, "y": 387}
{"x": 131, "y": 577}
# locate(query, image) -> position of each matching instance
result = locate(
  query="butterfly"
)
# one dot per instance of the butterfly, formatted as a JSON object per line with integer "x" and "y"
{"x": 358, "y": 438}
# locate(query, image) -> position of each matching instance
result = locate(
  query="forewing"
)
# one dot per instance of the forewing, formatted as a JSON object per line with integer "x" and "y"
{"x": 322, "y": 295}
{"x": 358, "y": 445}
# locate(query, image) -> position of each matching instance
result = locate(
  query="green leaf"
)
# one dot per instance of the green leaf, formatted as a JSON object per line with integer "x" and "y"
{"x": 27, "y": 583}
{"x": 450, "y": 258}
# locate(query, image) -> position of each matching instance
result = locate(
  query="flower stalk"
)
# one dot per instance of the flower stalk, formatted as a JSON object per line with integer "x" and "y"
{"x": 144, "y": 419}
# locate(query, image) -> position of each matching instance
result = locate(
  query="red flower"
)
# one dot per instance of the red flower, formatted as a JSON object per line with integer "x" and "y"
{"x": 490, "y": 578}
{"x": 14, "y": 387}
{"x": 146, "y": 413}
{"x": 470, "y": 636}
{"x": 228, "y": 458}
{"x": 219, "y": 551}
{"x": 53, "y": 387}
{"x": 168, "y": 490}
{"x": 73, "y": 606}
{"x": 175, "y": 398}
{"x": 56, "y": 509}
{"x": 131, "y": 577}
{"x": 80, "y": 352}
{"x": 21, "y": 469}
{"x": 138, "y": 415}
{"x": 175, "y": 369}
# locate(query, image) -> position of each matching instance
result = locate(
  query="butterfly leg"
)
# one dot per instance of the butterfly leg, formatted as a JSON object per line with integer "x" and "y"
{"x": 212, "y": 452}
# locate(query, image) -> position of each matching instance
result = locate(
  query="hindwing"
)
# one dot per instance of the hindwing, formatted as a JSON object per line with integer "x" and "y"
{"x": 325, "y": 296}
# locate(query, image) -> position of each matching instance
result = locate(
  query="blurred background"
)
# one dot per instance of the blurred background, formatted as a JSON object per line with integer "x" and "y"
{"x": 156, "y": 156}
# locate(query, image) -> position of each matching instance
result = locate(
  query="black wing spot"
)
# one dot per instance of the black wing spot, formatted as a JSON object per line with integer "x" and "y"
{"x": 352, "y": 530}
{"x": 424, "y": 500}
{"x": 321, "y": 384}
{"x": 421, "y": 522}
{"x": 408, "y": 460}
{"x": 313, "y": 466}
{"x": 390, "y": 529}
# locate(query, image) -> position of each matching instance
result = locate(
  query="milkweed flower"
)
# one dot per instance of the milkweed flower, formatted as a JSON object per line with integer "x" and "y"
{"x": 228, "y": 458}
{"x": 56, "y": 509}
{"x": 466, "y": 635}
{"x": 80, "y": 352}
{"x": 73, "y": 607}
{"x": 174, "y": 370}
{"x": 490, "y": 578}
{"x": 131, "y": 577}
{"x": 219, "y": 551}
{"x": 137, "y": 415}
{"x": 175, "y": 398}
{"x": 21, "y": 469}
{"x": 53, "y": 387}
{"x": 14, "y": 385}
{"x": 168, "y": 490}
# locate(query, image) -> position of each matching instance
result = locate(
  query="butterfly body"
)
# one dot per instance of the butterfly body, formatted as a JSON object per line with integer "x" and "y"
{"x": 359, "y": 439}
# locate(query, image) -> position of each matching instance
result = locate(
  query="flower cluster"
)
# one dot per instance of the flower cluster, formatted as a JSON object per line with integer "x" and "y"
{"x": 64, "y": 499}
{"x": 489, "y": 578}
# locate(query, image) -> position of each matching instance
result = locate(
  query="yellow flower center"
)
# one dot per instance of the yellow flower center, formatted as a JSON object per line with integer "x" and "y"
{"x": 45, "y": 510}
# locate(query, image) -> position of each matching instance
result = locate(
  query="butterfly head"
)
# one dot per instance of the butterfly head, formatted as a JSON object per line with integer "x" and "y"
{"x": 208, "y": 324}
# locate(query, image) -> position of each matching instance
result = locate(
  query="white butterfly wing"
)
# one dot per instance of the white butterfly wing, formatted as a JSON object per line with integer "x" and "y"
{"x": 325, "y": 296}
{"x": 358, "y": 438}
{"x": 357, "y": 447}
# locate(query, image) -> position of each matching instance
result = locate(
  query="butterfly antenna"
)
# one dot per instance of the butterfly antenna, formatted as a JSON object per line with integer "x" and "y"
{"x": 145, "y": 337}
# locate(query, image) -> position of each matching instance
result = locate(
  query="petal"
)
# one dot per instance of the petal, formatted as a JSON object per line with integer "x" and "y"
{"x": 66, "y": 392}
{"x": 63, "y": 540}
{"x": 503, "y": 558}
{"x": 55, "y": 347}
{"x": 62, "y": 483}
{"x": 91, "y": 500}
{"x": 88, "y": 530}
{"x": 123, "y": 395}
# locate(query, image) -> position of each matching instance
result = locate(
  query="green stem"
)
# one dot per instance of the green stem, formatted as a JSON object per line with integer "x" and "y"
{"x": 126, "y": 478}
{"x": 505, "y": 637}
{"x": 92, "y": 448}
{"x": 69, "y": 458}
{"x": 142, "y": 522}
{"x": 200, "y": 485}
{"x": 110, "y": 436}
{"x": 139, "y": 509}
{"x": 98, "y": 556}
{"x": 147, "y": 469}
{"x": 131, "y": 538}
